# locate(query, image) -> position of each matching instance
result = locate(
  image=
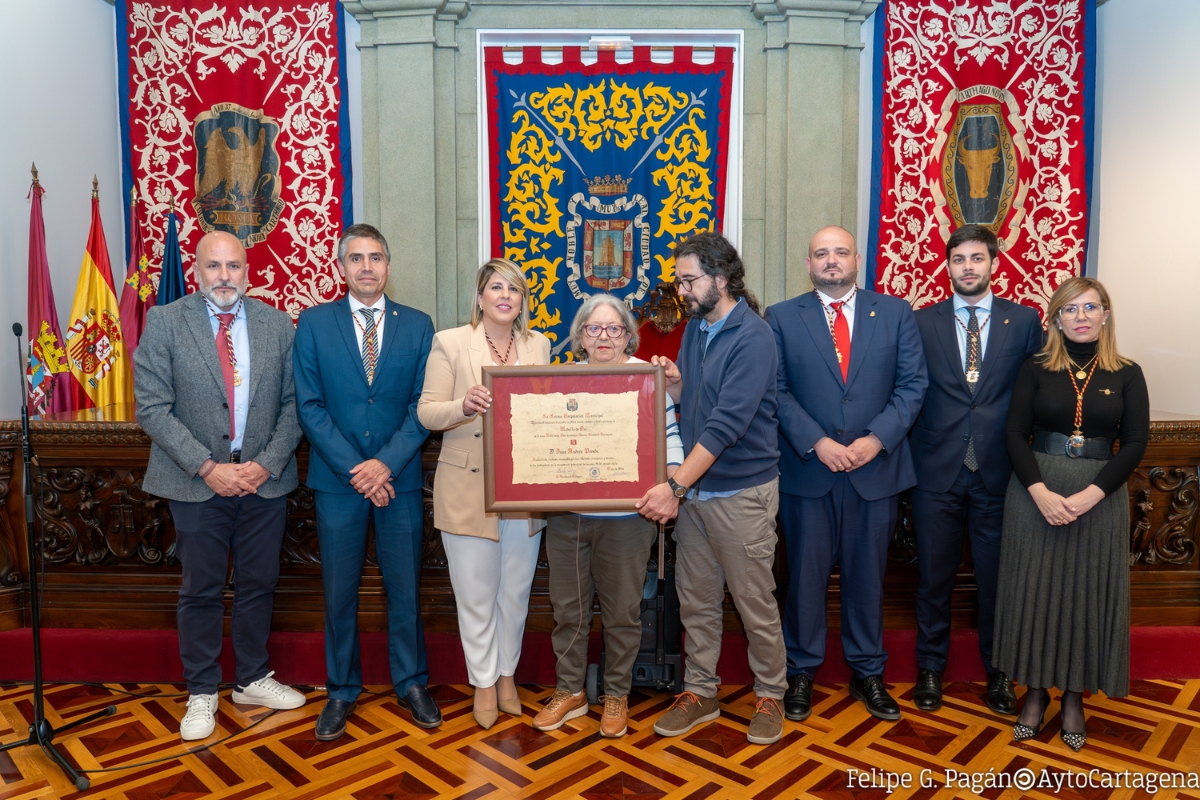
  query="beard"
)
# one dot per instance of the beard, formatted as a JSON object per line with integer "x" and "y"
{"x": 210, "y": 293}
{"x": 704, "y": 307}
{"x": 844, "y": 282}
{"x": 981, "y": 288}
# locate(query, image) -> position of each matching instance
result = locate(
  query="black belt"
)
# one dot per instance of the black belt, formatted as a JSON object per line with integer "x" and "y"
{"x": 235, "y": 457}
{"x": 1056, "y": 444}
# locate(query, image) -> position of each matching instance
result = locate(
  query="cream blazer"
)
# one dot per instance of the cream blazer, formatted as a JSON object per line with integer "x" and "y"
{"x": 456, "y": 364}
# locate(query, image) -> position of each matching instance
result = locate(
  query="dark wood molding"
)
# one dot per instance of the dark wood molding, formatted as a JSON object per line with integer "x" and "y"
{"x": 110, "y": 546}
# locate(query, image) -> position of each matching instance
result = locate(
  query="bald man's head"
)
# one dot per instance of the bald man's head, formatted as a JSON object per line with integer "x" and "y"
{"x": 833, "y": 260}
{"x": 221, "y": 269}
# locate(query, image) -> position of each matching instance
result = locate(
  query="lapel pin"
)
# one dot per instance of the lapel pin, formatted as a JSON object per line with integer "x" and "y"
{"x": 1006, "y": 322}
{"x": 395, "y": 314}
{"x": 1106, "y": 391}
{"x": 872, "y": 313}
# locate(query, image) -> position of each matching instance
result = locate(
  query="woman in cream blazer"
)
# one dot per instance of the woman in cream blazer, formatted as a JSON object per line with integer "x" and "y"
{"x": 492, "y": 557}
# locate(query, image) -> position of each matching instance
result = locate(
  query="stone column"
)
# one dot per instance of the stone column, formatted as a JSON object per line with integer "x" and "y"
{"x": 811, "y": 129}
{"x": 409, "y": 157}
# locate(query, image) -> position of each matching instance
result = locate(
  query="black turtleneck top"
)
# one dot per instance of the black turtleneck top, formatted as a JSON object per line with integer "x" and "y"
{"x": 1116, "y": 405}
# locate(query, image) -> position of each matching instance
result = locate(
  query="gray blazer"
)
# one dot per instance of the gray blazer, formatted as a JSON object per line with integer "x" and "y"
{"x": 181, "y": 401}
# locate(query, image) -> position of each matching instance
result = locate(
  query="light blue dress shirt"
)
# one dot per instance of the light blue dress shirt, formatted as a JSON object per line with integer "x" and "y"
{"x": 241, "y": 351}
{"x": 983, "y": 312}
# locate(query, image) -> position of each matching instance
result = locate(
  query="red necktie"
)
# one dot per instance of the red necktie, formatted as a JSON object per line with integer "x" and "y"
{"x": 841, "y": 338}
{"x": 227, "y": 360}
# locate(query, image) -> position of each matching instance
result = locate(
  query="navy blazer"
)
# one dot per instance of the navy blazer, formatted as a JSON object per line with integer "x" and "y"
{"x": 951, "y": 414}
{"x": 882, "y": 395}
{"x": 348, "y": 421}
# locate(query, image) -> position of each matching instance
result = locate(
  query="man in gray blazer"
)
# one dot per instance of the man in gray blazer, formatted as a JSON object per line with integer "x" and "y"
{"x": 213, "y": 380}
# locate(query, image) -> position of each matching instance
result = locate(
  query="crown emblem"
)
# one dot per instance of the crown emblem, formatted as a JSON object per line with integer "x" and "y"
{"x": 608, "y": 186}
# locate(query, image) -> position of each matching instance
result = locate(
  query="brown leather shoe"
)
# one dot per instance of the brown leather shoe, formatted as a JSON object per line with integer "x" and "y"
{"x": 689, "y": 711}
{"x": 766, "y": 726}
{"x": 561, "y": 707}
{"x": 614, "y": 720}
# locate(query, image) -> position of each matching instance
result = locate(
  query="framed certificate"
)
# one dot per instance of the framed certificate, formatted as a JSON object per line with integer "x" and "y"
{"x": 573, "y": 437}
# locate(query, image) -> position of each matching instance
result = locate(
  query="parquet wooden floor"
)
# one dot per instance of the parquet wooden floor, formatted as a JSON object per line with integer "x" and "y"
{"x": 383, "y": 755}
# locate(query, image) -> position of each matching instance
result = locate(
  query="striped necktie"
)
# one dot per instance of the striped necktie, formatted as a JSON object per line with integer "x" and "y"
{"x": 370, "y": 348}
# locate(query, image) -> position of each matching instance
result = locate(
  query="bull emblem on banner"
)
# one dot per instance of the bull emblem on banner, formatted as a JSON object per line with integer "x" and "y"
{"x": 237, "y": 172}
{"x": 979, "y": 167}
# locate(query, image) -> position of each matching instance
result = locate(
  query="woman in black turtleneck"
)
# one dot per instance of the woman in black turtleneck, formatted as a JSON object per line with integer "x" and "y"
{"x": 1062, "y": 611}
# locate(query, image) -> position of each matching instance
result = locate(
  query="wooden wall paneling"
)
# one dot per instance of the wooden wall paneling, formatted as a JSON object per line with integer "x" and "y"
{"x": 111, "y": 564}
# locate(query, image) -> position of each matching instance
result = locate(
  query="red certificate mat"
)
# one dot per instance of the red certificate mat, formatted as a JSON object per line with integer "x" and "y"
{"x": 538, "y": 392}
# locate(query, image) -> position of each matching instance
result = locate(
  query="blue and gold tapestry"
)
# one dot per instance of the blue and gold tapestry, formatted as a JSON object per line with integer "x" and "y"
{"x": 599, "y": 170}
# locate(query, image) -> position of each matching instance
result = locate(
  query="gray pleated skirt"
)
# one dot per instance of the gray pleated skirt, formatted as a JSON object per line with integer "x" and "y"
{"x": 1062, "y": 608}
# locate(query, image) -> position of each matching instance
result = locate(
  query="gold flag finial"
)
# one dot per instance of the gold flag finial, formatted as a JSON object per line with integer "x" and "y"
{"x": 95, "y": 186}
{"x": 33, "y": 170}
{"x": 132, "y": 195}
{"x": 172, "y": 204}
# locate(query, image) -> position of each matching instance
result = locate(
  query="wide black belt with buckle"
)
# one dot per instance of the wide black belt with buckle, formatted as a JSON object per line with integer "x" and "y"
{"x": 1059, "y": 444}
{"x": 235, "y": 457}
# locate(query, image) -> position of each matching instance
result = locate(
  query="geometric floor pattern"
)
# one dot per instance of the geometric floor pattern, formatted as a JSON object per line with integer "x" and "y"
{"x": 384, "y": 756}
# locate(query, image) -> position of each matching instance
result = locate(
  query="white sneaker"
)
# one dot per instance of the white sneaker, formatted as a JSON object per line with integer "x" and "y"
{"x": 201, "y": 718}
{"x": 266, "y": 691}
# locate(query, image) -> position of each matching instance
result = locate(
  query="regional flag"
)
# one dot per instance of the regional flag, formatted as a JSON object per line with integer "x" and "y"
{"x": 49, "y": 382}
{"x": 171, "y": 285}
{"x": 95, "y": 346}
{"x": 138, "y": 296}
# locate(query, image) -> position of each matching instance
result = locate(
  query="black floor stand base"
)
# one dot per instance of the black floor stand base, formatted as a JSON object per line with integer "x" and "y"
{"x": 42, "y": 735}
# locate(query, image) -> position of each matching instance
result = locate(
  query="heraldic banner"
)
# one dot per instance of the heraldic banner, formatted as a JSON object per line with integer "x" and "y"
{"x": 983, "y": 114}
{"x": 236, "y": 110}
{"x": 598, "y": 170}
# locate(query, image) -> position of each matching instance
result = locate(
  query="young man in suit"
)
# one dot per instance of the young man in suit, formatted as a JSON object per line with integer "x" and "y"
{"x": 975, "y": 344}
{"x": 213, "y": 380}
{"x": 850, "y": 383}
{"x": 360, "y": 366}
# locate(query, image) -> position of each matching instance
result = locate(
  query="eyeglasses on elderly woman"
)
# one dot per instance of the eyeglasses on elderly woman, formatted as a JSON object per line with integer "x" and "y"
{"x": 613, "y": 331}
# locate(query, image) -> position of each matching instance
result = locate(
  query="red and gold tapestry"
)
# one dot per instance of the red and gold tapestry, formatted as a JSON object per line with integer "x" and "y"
{"x": 983, "y": 114}
{"x": 237, "y": 111}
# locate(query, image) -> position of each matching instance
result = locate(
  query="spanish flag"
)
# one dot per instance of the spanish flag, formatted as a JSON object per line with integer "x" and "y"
{"x": 94, "y": 344}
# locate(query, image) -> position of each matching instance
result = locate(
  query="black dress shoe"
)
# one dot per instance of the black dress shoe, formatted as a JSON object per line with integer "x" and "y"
{"x": 874, "y": 696}
{"x": 927, "y": 694}
{"x": 332, "y": 722}
{"x": 1000, "y": 695}
{"x": 425, "y": 711}
{"x": 797, "y": 702}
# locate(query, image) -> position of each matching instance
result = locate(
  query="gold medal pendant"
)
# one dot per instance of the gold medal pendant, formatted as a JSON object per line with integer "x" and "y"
{"x": 1081, "y": 375}
{"x": 972, "y": 376}
{"x": 237, "y": 378}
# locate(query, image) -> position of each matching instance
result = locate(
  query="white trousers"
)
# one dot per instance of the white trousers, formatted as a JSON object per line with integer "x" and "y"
{"x": 491, "y": 583}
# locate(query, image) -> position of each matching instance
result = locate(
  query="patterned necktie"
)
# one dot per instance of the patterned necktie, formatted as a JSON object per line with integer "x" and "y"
{"x": 971, "y": 461}
{"x": 228, "y": 361}
{"x": 370, "y": 348}
{"x": 841, "y": 338}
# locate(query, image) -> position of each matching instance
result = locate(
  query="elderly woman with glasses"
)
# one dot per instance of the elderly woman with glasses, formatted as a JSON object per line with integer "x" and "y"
{"x": 1062, "y": 610}
{"x": 602, "y": 552}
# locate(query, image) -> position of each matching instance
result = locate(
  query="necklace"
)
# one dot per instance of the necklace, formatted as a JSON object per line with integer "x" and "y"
{"x": 1076, "y": 442}
{"x": 1081, "y": 374}
{"x": 507, "y": 351}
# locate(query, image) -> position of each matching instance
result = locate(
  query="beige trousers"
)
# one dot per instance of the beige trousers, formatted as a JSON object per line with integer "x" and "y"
{"x": 730, "y": 541}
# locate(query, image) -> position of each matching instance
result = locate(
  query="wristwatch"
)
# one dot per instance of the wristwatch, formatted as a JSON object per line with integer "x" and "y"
{"x": 678, "y": 489}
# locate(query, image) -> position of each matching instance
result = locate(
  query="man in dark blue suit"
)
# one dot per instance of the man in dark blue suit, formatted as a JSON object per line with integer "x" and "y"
{"x": 851, "y": 380}
{"x": 360, "y": 366}
{"x": 975, "y": 344}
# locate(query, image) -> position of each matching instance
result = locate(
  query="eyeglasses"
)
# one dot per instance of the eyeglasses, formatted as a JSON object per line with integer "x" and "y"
{"x": 1087, "y": 310}
{"x": 613, "y": 331}
{"x": 687, "y": 283}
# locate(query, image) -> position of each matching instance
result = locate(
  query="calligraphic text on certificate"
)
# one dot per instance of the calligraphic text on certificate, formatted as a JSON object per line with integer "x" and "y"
{"x": 574, "y": 438}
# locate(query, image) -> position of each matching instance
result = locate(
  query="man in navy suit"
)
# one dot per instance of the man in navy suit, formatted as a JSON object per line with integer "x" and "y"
{"x": 975, "y": 344}
{"x": 360, "y": 366}
{"x": 851, "y": 380}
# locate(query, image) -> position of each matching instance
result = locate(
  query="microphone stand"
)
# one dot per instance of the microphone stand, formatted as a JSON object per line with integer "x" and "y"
{"x": 41, "y": 733}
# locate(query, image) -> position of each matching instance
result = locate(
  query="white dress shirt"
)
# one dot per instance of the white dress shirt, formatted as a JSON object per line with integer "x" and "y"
{"x": 360, "y": 323}
{"x": 847, "y": 309}
{"x": 983, "y": 313}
